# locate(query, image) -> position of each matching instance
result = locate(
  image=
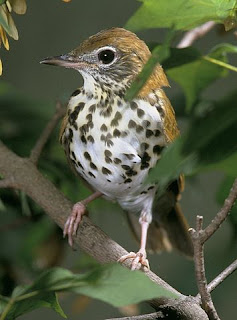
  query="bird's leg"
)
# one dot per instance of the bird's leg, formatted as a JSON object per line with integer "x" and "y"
{"x": 139, "y": 258}
{"x": 74, "y": 219}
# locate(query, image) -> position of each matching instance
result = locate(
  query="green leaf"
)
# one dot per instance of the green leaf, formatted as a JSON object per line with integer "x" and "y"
{"x": 7, "y": 22}
{"x": 159, "y": 54}
{"x": 44, "y": 299}
{"x": 181, "y": 56}
{"x": 182, "y": 14}
{"x": 227, "y": 165}
{"x": 119, "y": 286}
{"x": 208, "y": 144}
{"x": 111, "y": 283}
{"x": 194, "y": 77}
{"x": 173, "y": 163}
{"x": 213, "y": 134}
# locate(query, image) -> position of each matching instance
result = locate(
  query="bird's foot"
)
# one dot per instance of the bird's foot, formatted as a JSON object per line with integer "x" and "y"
{"x": 73, "y": 221}
{"x": 139, "y": 260}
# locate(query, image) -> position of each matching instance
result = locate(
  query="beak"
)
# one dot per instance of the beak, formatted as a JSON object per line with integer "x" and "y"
{"x": 65, "y": 60}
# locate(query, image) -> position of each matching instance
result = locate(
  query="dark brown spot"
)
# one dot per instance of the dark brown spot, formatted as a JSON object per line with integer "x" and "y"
{"x": 157, "y": 149}
{"x": 84, "y": 129}
{"x": 151, "y": 187}
{"x": 108, "y": 153}
{"x": 109, "y": 143}
{"x": 91, "y": 174}
{"x": 90, "y": 139}
{"x": 139, "y": 129}
{"x": 116, "y": 133}
{"x": 106, "y": 171}
{"x": 144, "y": 192}
{"x": 93, "y": 166}
{"x": 92, "y": 108}
{"x": 128, "y": 180}
{"x": 102, "y": 137}
{"x": 130, "y": 156}
{"x": 89, "y": 95}
{"x": 140, "y": 113}
{"x": 145, "y": 157}
{"x": 76, "y": 93}
{"x": 124, "y": 134}
{"x": 70, "y": 135}
{"x": 149, "y": 133}
{"x": 146, "y": 123}
{"x": 132, "y": 124}
{"x": 125, "y": 167}
{"x": 117, "y": 160}
{"x": 160, "y": 110}
{"x": 79, "y": 164}
{"x": 73, "y": 116}
{"x": 133, "y": 105}
{"x": 108, "y": 160}
{"x": 131, "y": 172}
{"x": 144, "y": 165}
{"x": 90, "y": 124}
{"x": 73, "y": 155}
{"x": 87, "y": 156}
{"x": 157, "y": 133}
{"x": 89, "y": 117}
{"x": 107, "y": 112}
{"x": 83, "y": 139}
{"x": 144, "y": 146}
{"x": 103, "y": 128}
{"x": 75, "y": 126}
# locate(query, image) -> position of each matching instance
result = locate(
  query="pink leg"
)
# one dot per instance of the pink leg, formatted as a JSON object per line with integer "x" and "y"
{"x": 139, "y": 258}
{"x": 73, "y": 221}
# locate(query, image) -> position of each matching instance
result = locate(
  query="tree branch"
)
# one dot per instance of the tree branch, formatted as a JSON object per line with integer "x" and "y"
{"x": 221, "y": 215}
{"x": 150, "y": 316}
{"x": 220, "y": 278}
{"x": 90, "y": 238}
{"x": 40, "y": 143}
{"x": 194, "y": 34}
{"x": 201, "y": 280}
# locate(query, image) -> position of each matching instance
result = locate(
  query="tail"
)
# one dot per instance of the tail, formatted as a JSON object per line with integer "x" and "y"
{"x": 168, "y": 229}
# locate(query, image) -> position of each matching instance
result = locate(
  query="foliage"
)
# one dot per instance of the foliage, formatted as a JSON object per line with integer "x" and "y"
{"x": 208, "y": 143}
{"x": 7, "y": 25}
{"x": 103, "y": 282}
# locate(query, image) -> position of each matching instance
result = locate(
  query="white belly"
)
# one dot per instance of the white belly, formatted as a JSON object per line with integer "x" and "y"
{"x": 111, "y": 162}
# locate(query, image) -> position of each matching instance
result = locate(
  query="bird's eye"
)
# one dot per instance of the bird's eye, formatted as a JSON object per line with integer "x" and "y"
{"x": 106, "y": 56}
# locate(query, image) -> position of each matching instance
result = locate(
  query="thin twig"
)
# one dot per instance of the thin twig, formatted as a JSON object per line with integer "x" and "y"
{"x": 40, "y": 143}
{"x": 150, "y": 316}
{"x": 206, "y": 299}
{"x": 194, "y": 34}
{"x": 221, "y": 215}
{"x": 220, "y": 278}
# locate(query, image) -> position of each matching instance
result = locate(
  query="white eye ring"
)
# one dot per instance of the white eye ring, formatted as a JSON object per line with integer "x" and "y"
{"x": 107, "y": 56}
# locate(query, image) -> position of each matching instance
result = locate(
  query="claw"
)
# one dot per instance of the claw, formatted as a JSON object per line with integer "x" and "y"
{"x": 139, "y": 260}
{"x": 73, "y": 221}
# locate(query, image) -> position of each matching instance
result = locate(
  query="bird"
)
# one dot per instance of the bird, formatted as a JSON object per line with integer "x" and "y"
{"x": 112, "y": 143}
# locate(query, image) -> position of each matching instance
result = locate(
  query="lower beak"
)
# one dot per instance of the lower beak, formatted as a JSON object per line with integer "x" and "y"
{"x": 64, "y": 60}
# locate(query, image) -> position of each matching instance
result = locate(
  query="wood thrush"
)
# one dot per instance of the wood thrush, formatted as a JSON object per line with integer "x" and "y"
{"x": 112, "y": 143}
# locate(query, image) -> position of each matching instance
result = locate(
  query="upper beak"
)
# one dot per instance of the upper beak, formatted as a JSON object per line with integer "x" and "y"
{"x": 65, "y": 60}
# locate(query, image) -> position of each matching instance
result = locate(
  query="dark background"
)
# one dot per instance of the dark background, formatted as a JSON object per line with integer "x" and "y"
{"x": 54, "y": 27}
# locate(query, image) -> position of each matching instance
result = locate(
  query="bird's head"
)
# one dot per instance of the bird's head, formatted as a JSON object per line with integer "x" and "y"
{"x": 111, "y": 56}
